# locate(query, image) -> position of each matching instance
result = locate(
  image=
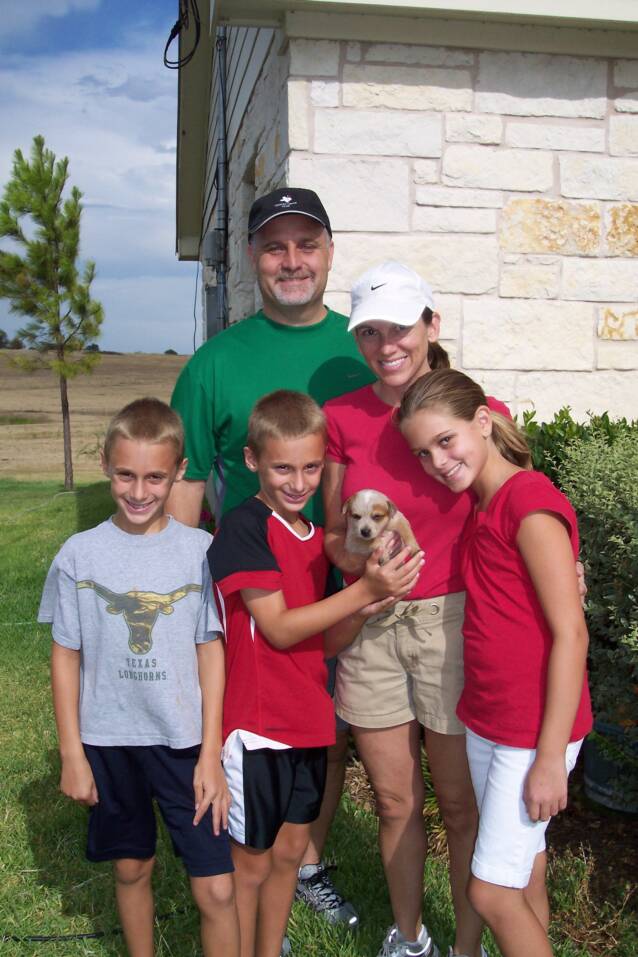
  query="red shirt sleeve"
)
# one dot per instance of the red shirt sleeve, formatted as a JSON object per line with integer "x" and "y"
{"x": 535, "y": 493}
{"x": 334, "y": 446}
{"x": 240, "y": 555}
{"x": 497, "y": 406}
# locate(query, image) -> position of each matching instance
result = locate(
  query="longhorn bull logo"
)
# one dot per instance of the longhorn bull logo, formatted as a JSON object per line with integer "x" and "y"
{"x": 140, "y": 610}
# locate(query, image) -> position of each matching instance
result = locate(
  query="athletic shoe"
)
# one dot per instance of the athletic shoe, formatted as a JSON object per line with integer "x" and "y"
{"x": 395, "y": 944}
{"x": 451, "y": 953}
{"x": 286, "y": 950}
{"x": 315, "y": 889}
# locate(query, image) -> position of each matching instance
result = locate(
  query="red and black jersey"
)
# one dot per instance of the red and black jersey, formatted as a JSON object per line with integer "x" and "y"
{"x": 278, "y": 693}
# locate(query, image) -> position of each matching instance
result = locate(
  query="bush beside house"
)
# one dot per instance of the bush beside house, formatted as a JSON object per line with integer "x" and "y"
{"x": 596, "y": 464}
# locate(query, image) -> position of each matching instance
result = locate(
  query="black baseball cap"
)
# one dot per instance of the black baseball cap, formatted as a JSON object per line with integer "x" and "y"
{"x": 303, "y": 202}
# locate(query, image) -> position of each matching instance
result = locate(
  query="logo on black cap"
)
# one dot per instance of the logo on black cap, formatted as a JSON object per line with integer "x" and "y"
{"x": 303, "y": 202}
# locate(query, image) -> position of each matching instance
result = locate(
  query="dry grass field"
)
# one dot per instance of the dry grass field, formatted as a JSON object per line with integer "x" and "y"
{"x": 31, "y": 422}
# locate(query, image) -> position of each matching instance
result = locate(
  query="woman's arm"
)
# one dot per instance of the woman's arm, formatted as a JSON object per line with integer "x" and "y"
{"x": 544, "y": 544}
{"x": 284, "y": 627}
{"x": 335, "y": 530}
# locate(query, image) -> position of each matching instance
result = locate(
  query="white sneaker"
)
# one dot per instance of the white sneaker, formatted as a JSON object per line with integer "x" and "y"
{"x": 395, "y": 944}
{"x": 451, "y": 953}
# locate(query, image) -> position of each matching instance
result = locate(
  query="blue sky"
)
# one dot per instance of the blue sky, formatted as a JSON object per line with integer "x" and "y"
{"x": 88, "y": 75}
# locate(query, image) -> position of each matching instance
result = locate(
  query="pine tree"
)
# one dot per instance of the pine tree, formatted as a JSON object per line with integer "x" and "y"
{"x": 43, "y": 283}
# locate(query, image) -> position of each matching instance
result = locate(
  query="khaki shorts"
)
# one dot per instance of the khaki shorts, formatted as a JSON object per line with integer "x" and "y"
{"x": 406, "y": 663}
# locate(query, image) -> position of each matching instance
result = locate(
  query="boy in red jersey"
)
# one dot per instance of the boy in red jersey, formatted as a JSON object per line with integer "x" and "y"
{"x": 270, "y": 576}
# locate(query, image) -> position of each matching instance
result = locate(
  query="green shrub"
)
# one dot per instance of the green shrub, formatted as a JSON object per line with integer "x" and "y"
{"x": 598, "y": 471}
{"x": 549, "y": 441}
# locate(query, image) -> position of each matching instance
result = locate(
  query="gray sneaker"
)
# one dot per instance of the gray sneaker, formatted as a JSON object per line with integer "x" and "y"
{"x": 319, "y": 893}
{"x": 286, "y": 949}
{"x": 395, "y": 944}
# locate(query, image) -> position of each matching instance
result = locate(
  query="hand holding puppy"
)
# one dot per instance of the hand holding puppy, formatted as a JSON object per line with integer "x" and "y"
{"x": 396, "y": 577}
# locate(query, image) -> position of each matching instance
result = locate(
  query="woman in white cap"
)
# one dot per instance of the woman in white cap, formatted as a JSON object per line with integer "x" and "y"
{"x": 404, "y": 672}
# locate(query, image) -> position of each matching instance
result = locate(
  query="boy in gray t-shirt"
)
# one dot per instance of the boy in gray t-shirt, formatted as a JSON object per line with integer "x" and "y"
{"x": 138, "y": 682}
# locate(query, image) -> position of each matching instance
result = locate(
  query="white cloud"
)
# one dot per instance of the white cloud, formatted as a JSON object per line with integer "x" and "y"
{"x": 114, "y": 114}
{"x": 21, "y": 17}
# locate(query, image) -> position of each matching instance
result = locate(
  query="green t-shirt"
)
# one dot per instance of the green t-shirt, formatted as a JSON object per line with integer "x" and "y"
{"x": 219, "y": 385}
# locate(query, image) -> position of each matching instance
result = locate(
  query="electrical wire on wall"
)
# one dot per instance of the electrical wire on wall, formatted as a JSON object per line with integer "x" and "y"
{"x": 195, "y": 309}
{"x": 183, "y": 23}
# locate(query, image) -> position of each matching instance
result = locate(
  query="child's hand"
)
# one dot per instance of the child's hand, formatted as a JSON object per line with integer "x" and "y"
{"x": 376, "y": 607}
{"x": 582, "y": 584}
{"x": 211, "y": 788}
{"x": 391, "y": 544}
{"x": 77, "y": 781}
{"x": 396, "y": 577}
{"x": 545, "y": 789}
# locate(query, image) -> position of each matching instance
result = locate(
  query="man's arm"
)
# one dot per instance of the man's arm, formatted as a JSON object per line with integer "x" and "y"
{"x": 185, "y": 501}
{"x": 77, "y": 780}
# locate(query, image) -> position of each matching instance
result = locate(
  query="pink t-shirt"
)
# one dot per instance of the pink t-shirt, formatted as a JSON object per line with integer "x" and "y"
{"x": 506, "y": 638}
{"x": 363, "y": 437}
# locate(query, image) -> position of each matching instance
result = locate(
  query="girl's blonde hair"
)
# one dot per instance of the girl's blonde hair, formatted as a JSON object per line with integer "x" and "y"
{"x": 283, "y": 414}
{"x": 146, "y": 420}
{"x": 461, "y": 396}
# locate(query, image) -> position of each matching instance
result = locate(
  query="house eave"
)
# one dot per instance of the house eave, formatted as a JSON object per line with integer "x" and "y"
{"x": 192, "y": 126}
{"x": 615, "y": 14}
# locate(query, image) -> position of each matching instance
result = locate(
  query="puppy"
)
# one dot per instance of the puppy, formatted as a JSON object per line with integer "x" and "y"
{"x": 373, "y": 520}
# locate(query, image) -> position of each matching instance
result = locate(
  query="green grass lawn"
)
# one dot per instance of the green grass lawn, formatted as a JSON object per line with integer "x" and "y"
{"x": 46, "y": 886}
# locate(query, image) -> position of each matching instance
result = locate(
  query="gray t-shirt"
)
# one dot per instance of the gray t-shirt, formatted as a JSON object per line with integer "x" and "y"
{"x": 134, "y": 606}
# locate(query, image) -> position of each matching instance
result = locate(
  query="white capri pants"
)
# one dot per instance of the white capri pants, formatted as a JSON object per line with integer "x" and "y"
{"x": 507, "y": 841}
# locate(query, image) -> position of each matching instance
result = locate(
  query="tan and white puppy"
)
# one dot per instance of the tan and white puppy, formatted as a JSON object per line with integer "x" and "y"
{"x": 373, "y": 520}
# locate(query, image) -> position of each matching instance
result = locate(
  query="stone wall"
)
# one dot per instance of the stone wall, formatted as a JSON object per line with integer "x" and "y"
{"x": 508, "y": 180}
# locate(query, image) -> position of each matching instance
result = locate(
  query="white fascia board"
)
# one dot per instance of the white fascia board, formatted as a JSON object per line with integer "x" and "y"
{"x": 521, "y": 36}
{"x": 581, "y": 13}
{"x": 192, "y": 124}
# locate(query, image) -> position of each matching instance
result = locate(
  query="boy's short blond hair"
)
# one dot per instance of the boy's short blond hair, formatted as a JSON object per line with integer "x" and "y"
{"x": 146, "y": 420}
{"x": 283, "y": 414}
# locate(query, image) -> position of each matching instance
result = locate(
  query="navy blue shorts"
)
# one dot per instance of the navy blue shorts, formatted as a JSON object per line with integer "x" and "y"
{"x": 122, "y": 824}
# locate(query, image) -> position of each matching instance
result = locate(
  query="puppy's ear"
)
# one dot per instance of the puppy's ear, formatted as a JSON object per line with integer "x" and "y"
{"x": 391, "y": 508}
{"x": 345, "y": 508}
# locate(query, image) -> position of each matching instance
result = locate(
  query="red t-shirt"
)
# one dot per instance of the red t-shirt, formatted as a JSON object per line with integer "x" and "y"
{"x": 278, "y": 693}
{"x": 506, "y": 638}
{"x": 363, "y": 437}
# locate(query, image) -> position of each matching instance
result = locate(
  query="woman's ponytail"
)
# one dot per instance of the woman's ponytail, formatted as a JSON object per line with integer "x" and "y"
{"x": 437, "y": 355}
{"x": 510, "y": 441}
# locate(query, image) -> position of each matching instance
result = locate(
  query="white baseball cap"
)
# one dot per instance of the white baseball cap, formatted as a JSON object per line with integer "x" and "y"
{"x": 390, "y": 292}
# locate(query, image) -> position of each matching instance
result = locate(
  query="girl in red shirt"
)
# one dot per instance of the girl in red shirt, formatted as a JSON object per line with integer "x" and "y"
{"x": 525, "y": 701}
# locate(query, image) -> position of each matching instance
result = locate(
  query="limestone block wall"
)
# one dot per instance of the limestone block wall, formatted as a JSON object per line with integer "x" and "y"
{"x": 509, "y": 180}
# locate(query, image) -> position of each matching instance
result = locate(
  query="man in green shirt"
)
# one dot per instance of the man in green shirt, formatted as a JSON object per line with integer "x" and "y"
{"x": 293, "y": 342}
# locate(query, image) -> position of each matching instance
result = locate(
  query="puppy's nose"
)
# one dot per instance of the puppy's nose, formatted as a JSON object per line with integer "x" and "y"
{"x": 366, "y": 532}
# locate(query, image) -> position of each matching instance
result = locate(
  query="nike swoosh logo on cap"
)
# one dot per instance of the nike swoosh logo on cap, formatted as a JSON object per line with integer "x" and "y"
{"x": 372, "y": 288}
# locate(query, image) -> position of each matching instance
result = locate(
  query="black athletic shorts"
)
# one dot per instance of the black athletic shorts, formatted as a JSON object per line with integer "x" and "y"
{"x": 122, "y": 823}
{"x": 270, "y": 787}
